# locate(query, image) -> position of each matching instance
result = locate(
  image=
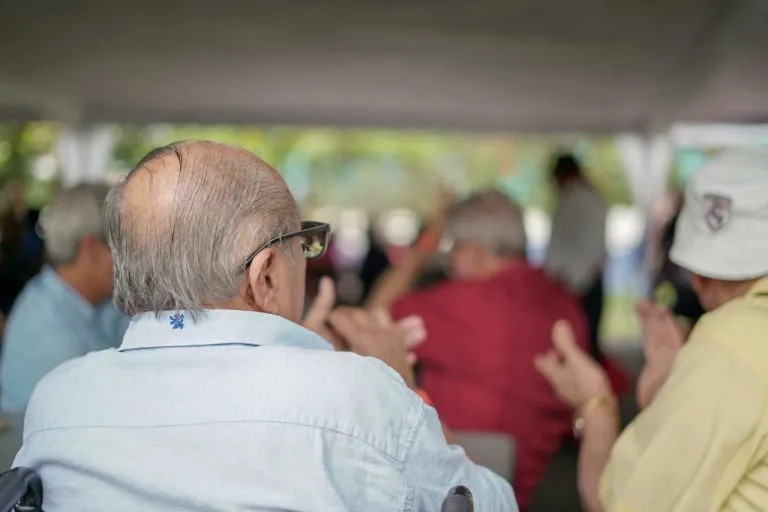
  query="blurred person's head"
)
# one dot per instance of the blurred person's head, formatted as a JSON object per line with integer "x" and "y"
{"x": 203, "y": 225}
{"x": 12, "y": 211}
{"x": 17, "y": 199}
{"x": 565, "y": 168}
{"x": 721, "y": 234}
{"x": 485, "y": 231}
{"x": 75, "y": 242}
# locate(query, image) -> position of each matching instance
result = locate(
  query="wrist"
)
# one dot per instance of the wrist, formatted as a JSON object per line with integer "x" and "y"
{"x": 600, "y": 387}
{"x": 602, "y": 407}
{"x": 428, "y": 242}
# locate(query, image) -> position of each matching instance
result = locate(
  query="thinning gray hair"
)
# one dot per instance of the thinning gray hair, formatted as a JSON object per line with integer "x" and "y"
{"x": 491, "y": 220}
{"x": 74, "y": 213}
{"x": 225, "y": 203}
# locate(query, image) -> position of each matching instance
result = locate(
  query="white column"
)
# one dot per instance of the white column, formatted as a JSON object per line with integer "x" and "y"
{"x": 647, "y": 161}
{"x": 84, "y": 153}
{"x": 720, "y": 135}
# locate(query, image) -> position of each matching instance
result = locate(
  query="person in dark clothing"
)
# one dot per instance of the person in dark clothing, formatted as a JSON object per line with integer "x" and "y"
{"x": 21, "y": 255}
{"x": 31, "y": 240}
{"x": 376, "y": 262}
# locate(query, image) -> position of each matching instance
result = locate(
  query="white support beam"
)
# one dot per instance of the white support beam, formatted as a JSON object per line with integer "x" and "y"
{"x": 647, "y": 160}
{"x": 719, "y": 135}
{"x": 84, "y": 153}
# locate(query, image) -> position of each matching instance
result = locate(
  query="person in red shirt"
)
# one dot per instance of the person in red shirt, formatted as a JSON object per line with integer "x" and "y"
{"x": 485, "y": 327}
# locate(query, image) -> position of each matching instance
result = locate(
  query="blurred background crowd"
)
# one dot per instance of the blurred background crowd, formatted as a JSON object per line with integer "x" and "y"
{"x": 375, "y": 187}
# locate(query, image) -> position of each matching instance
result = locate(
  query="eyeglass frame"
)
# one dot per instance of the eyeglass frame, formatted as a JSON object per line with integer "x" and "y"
{"x": 308, "y": 227}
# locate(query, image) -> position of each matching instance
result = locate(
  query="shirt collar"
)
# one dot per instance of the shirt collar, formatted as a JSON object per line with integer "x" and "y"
{"x": 759, "y": 288}
{"x": 217, "y": 327}
{"x": 53, "y": 282}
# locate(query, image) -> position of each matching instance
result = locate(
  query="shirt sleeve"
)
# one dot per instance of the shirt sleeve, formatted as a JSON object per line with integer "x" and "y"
{"x": 26, "y": 361}
{"x": 577, "y": 241}
{"x": 693, "y": 447}
{"x": 434, "y": 467}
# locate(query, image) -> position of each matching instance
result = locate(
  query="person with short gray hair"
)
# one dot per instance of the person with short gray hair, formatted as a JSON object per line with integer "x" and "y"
{"x": 178, "y": 255}
{"x": 64, "y": 312}
{"x": 75, "y": 213}
{"x": 488, "y": 221}
{"x": 484, "y": 327}
{"x": 218, "y": 398}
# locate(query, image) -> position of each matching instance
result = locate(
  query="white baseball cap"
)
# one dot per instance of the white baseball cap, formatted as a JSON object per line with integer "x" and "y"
{"x": 722, "y": 231}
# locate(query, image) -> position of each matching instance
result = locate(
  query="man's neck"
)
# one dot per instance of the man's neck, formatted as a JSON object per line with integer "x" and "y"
{"x": 78, "y": 279}
{"x": 739, "y": 289}
{"x": 499, "y": 264}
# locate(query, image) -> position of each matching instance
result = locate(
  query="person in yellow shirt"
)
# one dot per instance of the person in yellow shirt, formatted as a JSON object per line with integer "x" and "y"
{"x": 701, "y": 444}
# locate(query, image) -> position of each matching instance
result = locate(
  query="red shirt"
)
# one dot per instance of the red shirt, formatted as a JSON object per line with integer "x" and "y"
{"x": 477, "y": 361}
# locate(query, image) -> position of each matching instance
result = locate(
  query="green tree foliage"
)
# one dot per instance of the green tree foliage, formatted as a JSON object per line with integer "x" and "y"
{"x": 363, "y": 168}
{"x": 21, "y": 144}
{"x": 378, "y": 169}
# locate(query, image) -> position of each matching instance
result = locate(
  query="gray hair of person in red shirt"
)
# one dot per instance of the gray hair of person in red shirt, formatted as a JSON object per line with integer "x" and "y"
{"x": 483, "y": 233}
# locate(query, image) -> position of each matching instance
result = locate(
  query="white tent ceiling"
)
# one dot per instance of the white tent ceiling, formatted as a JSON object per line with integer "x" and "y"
{"x": 531, "y": 65}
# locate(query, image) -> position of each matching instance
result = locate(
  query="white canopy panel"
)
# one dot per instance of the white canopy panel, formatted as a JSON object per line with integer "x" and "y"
{"x": 528, "y": 65}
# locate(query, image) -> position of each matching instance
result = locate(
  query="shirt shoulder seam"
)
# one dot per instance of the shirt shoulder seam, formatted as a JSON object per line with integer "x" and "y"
{"x": 410, "y": 491}
{"x": 398, "y": 464}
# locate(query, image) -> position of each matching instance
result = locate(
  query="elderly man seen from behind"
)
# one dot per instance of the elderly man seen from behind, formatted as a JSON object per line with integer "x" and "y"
{"x": 485, "y": 326}
{"x": 702, "y": 441}
{"x": 218, "y": 399}
{"x": 64, "y": 312}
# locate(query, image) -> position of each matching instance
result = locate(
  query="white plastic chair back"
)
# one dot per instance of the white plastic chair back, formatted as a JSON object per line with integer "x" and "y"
{"x": 495, "y": 451}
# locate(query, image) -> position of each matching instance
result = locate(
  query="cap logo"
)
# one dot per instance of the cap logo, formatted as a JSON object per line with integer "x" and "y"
{"x": 718, "y": 211}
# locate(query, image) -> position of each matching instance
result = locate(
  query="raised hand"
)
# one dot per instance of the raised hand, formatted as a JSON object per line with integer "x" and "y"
{"x": 574, "y": 376}
{"x": 414, "y": 333}
{"x": 316, "y": 318}
{"x": 373, "y": 334}
{"x": 662, "y": 340}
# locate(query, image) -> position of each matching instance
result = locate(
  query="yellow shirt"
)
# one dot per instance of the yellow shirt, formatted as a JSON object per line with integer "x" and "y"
{"x": 702, "y": 444}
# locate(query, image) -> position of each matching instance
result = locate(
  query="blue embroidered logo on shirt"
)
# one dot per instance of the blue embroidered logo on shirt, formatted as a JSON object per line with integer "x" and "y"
{"x": 177, "y": 321}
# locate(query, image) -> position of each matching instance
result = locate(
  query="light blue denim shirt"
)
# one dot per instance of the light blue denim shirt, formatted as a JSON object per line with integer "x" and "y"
{"x": 240, "y": 411}
{"x": 50, "y": 324}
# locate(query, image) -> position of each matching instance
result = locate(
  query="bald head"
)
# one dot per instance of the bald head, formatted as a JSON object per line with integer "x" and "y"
{"x": 185, "y": 218}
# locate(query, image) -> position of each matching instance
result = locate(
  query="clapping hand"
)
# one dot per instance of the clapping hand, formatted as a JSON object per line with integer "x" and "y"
{"x": 316, "y": 318}
{"x": 574, "y": 376}
{"x": 662, "y": 340}
{"x": 414, "y": 333}
{"x": 368, "y": 333}
{"x": 374, "y": 334}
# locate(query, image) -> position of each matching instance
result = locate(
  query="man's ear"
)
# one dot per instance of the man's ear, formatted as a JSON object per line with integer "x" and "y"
{"x": 87, "y": 247}
{"x": 263, "y": 282}
{"x": 698, "y": 283}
